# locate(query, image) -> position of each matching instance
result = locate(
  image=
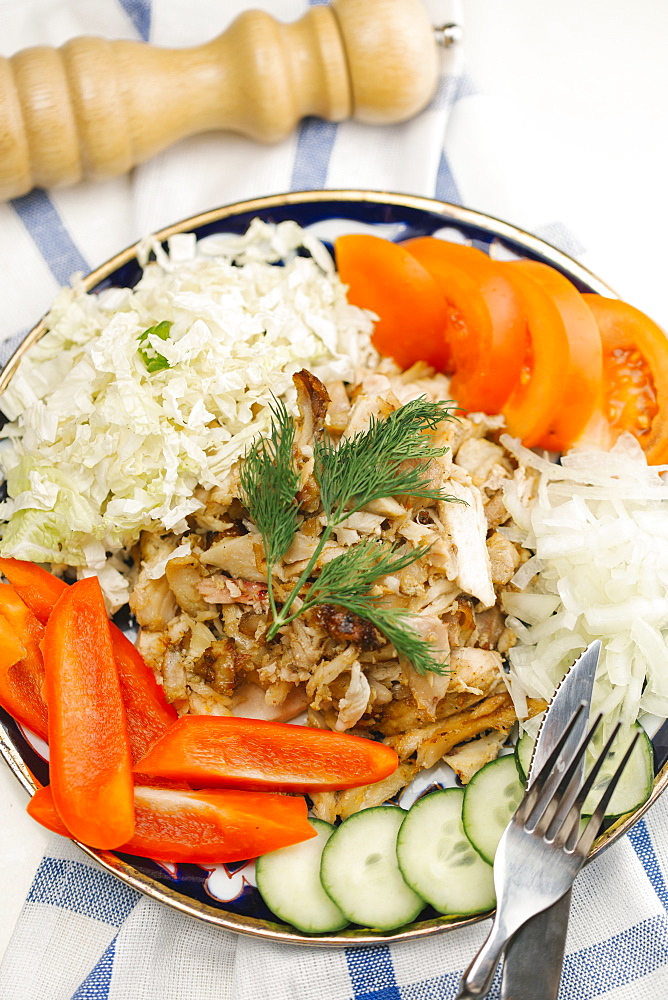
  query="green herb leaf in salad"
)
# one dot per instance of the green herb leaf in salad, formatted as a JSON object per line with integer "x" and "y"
{"x": 390, "y": 458}
{"x": 154, "y": 361}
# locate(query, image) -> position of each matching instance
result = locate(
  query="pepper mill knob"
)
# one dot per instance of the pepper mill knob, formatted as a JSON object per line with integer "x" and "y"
{"x": 95, "y": 108}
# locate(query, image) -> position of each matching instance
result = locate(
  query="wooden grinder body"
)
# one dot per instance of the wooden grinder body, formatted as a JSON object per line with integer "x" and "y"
{"x": 95, "y": 108}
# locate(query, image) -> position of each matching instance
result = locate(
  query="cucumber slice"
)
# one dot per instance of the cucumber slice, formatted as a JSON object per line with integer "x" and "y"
{"x": 437, "y": 859}
{"x": 635, "y": 785}
{"x": 359, "y": 870}
{"x": 523, "y": 753}
{"x": 490, "y": 799}
{"x": 289, "y": 882}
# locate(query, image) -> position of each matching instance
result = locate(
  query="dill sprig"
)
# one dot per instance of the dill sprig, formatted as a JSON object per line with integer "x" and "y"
{"x": 395, "y": 625}
{"x": 354, "y": 571}
{"x": 346, "y": 580}
{"x": 388, "y": 459}
{"x": 269, "y": 483}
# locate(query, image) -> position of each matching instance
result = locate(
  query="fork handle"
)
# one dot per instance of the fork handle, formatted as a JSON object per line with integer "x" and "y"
{"x": 477, "y": 979}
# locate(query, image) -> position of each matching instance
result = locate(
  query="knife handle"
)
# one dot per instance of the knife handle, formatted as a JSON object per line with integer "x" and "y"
{"x": 534, "y": 958}
{"x": 95, "y": 108}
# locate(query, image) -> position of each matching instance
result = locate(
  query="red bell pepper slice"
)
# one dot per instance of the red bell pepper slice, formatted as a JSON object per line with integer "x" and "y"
{"x": 90, "y": 760}
{"x": 222, "y": 751}
{"x": 148, "y": 714}
{"x": 204, "y": 827}
{"x": 36, "y": 586}
{"x": 21, "y": 681}
{"x": 11, "y": 648}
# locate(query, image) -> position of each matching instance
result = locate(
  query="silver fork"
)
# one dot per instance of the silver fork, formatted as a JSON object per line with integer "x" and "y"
{"x": 542, "y": 850}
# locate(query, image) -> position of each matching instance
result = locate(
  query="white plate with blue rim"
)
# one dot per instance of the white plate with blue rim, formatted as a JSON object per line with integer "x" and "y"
{"x": 225, "y": 895}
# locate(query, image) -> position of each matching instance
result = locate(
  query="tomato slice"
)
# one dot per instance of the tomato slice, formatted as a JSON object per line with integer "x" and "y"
{"x": 634, "y": 392}
{"x": 387, "y": 279}
{"x": 213, "y": 751}
{"x": 21, "y": 682}
{"x": 530, "y": 409}
{"x": 486, "y": 331}
{"x": 200, "y": 827}
{"x": 90, "y": 762}
{"x": 560, "y": 383}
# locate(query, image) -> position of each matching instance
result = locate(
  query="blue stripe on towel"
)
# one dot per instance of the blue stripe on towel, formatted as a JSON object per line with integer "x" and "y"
{"x": 445, "y": 987}
{"x": 96, "y": 984}
{"x": 437, "y": 988}
{"x": 81, "y": 889}
{"x": 644, "y": 848}
{"x": 446, "y": 186}
{"x": 560, "y": 237}
{"x": 47, "y": 231}
{"x": 139, "y": 12}
{"x": 465, "y": 87}
{"x": 372, "y": 973}
{"x": 591, "y": 972}
{"x": 315, "y": 142}
{"x": 623, "y": 958}
{"x": 7, "y": 347}
{"x": 448, "y": 91}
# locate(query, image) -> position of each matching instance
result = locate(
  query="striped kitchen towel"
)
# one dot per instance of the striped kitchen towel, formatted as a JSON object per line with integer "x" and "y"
{"x": 83, "y": 935}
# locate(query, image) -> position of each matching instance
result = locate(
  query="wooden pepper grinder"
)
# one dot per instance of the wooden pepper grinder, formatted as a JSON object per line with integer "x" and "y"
{"x": 95, "y": 108}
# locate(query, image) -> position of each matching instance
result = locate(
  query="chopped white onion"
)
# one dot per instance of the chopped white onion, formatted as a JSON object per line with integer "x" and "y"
{"x": 598, "y": 529}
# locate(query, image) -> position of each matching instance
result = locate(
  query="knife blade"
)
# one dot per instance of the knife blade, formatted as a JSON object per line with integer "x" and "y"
{"x": 539, "y": 945}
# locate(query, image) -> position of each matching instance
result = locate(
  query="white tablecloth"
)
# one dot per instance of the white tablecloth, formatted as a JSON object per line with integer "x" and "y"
{"x": 556, "y": 123}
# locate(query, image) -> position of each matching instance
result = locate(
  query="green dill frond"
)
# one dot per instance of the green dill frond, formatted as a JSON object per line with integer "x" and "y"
{"x": 346, "y": 579}
{"x": 395, "y": 625}
{"x": 354, "y": 571}
{"x": 390, "y": 458}
{"x": 269, "y": 484}
{"x": 368, "y": 466}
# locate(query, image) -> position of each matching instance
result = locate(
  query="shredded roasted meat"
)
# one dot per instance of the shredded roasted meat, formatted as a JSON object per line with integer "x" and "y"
{"x": 346, "y": 626}
{"x": 201, "y": 599}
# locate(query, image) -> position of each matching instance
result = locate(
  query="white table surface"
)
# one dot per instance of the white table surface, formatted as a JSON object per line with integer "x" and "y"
{"x": 591, "y": 80}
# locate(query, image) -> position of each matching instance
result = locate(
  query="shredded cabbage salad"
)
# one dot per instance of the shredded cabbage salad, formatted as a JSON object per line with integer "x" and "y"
{"x": 135, "y": 397}
{"x": 598, "y": 528}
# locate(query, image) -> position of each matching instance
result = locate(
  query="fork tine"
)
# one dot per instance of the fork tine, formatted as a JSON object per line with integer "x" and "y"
{"x": 547, "y": 777}
{"x": 562, "y": 787}
{"x": 574, "y": 797}
{"x": 592, "y": 829}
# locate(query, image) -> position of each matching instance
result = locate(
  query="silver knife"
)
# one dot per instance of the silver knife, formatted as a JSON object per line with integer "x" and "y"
{"x": 538, "y": 947}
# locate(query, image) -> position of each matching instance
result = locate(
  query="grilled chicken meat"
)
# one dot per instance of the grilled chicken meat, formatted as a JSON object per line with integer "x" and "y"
{"x": 201, "y": 599}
